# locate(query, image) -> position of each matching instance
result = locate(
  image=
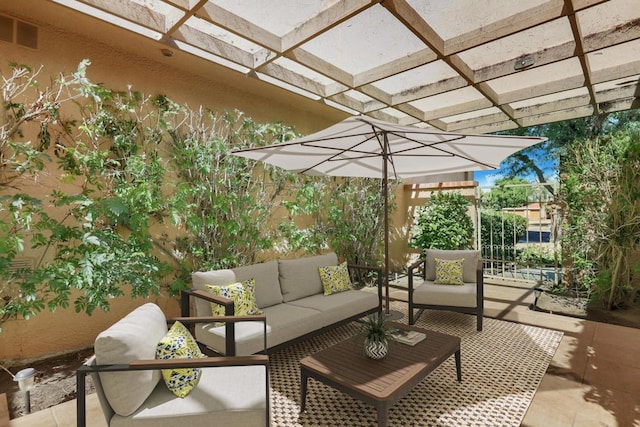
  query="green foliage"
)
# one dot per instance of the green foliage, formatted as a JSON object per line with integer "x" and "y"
{"x": 444, "y": 223}
{"x": 508, "y": 193}
{"x": 224, "y": 202}
{"x": 126, "y": 164}
{"x": 602, "y": 222}
{"x": 93, "y": 237}
{"x": 344, "y": 214}
{"x": 539, "y": 256}
{"x": 375, "y": 328}
{"x": 499, "y": 233}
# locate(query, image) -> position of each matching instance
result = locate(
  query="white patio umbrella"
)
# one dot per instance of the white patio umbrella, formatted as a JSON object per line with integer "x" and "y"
{"x": 360, "y": 146}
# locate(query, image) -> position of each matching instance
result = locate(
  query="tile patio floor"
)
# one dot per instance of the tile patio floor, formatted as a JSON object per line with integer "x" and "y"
{"x": 593, "y": 379}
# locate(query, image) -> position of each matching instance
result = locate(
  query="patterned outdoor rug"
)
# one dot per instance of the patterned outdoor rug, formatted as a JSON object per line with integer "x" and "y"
{"x": 501, "y": 369}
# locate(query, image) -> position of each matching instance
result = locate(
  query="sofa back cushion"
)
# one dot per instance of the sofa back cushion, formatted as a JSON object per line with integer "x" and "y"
{"x": 469, "y": 266}
{"x": 202, "y": 308}
{"x": 134, "y": 337}
{"x": 300, "y": 277}
{"x": 267, "y": 282}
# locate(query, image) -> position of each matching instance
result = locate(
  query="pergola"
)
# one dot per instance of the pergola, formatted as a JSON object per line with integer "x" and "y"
{"x": 458, "y": 65}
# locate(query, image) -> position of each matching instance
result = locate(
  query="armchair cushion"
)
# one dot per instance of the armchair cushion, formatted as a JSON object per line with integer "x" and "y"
{"x": 132, "y": 338}
{"x": 429, "y": 293}
{"x": 469, "y": 266}
{"x": 225, "y": 396}
{"x": 179, "y": 344}
{"x": 448, "y": 272}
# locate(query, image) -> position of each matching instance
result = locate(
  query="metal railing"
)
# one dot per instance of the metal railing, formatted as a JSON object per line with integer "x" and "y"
{"x": 509, "y": 252}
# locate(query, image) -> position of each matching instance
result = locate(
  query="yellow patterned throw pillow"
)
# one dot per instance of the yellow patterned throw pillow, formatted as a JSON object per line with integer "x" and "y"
{"x": 335, "y": 278}
{"x": 449, "y": 272}
{"x": 243, "y": 296}
{"x": 179, "y": 344}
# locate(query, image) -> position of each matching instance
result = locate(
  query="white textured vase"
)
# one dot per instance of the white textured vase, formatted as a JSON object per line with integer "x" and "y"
{"x": 376, "y": 349}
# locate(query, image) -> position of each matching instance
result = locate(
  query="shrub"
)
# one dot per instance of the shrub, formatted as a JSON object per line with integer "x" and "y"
{"x": 444, "y": 223}
{"x": 499, "y": 233}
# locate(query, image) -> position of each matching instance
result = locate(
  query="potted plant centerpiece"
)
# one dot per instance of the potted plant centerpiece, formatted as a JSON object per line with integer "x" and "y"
{"x": 375, "y": 335}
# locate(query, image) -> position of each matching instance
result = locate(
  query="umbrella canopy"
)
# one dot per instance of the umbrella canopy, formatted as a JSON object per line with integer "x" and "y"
{"x": 361, "y": 146}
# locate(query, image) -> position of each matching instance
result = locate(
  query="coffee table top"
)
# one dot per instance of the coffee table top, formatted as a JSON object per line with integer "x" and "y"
{"x": 404, "y": 366}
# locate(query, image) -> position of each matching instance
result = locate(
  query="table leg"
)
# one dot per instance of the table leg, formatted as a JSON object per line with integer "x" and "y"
{"x": 458, "y": 366}
{"x": 303, "y": 390}
{"x": 383, "y": 415}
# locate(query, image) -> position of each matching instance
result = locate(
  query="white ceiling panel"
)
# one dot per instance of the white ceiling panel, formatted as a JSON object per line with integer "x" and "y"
{"x": 472, "y": 65}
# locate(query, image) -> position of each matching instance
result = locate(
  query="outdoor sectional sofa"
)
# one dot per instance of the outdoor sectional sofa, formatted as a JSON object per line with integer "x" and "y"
{"x": 290, "y": 295}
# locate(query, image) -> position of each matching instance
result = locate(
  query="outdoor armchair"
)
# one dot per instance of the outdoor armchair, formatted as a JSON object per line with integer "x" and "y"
{"x": 466, "y": 297}
{"x": 231, "y": 390}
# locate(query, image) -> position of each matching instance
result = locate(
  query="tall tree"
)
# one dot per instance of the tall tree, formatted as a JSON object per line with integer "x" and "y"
{"x": 533, "y": 160}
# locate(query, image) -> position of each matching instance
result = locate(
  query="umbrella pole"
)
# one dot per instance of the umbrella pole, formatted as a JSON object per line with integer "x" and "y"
{"x": 385, "y": 193}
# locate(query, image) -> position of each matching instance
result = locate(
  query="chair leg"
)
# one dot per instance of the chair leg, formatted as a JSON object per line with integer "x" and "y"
{"x": 479, "y": 320}
{"x": 417, "y": 316}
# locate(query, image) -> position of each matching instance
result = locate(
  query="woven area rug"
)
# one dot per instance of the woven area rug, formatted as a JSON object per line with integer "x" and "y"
{"x": 501, "y": 369}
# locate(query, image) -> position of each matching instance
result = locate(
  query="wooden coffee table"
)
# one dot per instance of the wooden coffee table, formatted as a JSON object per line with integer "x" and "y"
{"x": 380, "y": 383}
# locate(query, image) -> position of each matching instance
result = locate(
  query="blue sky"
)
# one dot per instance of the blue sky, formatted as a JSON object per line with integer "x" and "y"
{"x": 489, "y": 177}
{"x": 486, "y": 178}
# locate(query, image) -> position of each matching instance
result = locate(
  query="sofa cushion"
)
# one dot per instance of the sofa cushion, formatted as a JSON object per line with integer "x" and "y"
{"x": 337, "y": 307}
{"x": 267, "y": 282}
{"x": 285, "y": 322}
{"x": 134, "y": 337}
{"x": 300, "y": 278}
{"x": 449, "y": 272}
{"x": 212, "y": 277}
{"x": 453, "y": 296}
{"x": 225, "y": 396}
{"x": 179, "y": 344}
{"x": 335, "y": 278}
{"x": 243, "y": 296}
{"x": 469, "y": 266}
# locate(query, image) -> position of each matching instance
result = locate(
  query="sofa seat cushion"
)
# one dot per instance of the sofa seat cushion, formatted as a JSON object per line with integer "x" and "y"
{"x": 337, "y": 307}
{"x": 267, "y": 282}
{"x": 454, "y": 296}
{"x": 134, "y": 337}
{"x": 284, "y": 322}
{"x": 226, "y": 396}
{"x": 300, "y": 277}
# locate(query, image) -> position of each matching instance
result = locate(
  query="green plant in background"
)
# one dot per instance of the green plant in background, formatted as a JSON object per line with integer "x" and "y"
{"x": 223, "y": 202}
{"x": 93, "y": 236}
{"x": 544, "y": 256}
{"x": 508, "y": 193}
{"x": 602, "y": 223}
{"x": 499, "y": 233}
{"x": 444, "y": 223}
{"x": 344, "y": 214}
{"x": 144, "y": 191}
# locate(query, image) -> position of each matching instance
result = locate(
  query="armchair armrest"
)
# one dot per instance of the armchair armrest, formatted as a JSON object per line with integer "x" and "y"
{"x": 421, "y": 262}
{"x": 230, "y": 330}
{"x": 229, "y": 309}
{"x": 480, "y": 284}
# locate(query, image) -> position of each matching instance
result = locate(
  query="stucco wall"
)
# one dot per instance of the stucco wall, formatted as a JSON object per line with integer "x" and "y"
{"x": 120, "y": 59}
{"x": 65, "y": 38}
